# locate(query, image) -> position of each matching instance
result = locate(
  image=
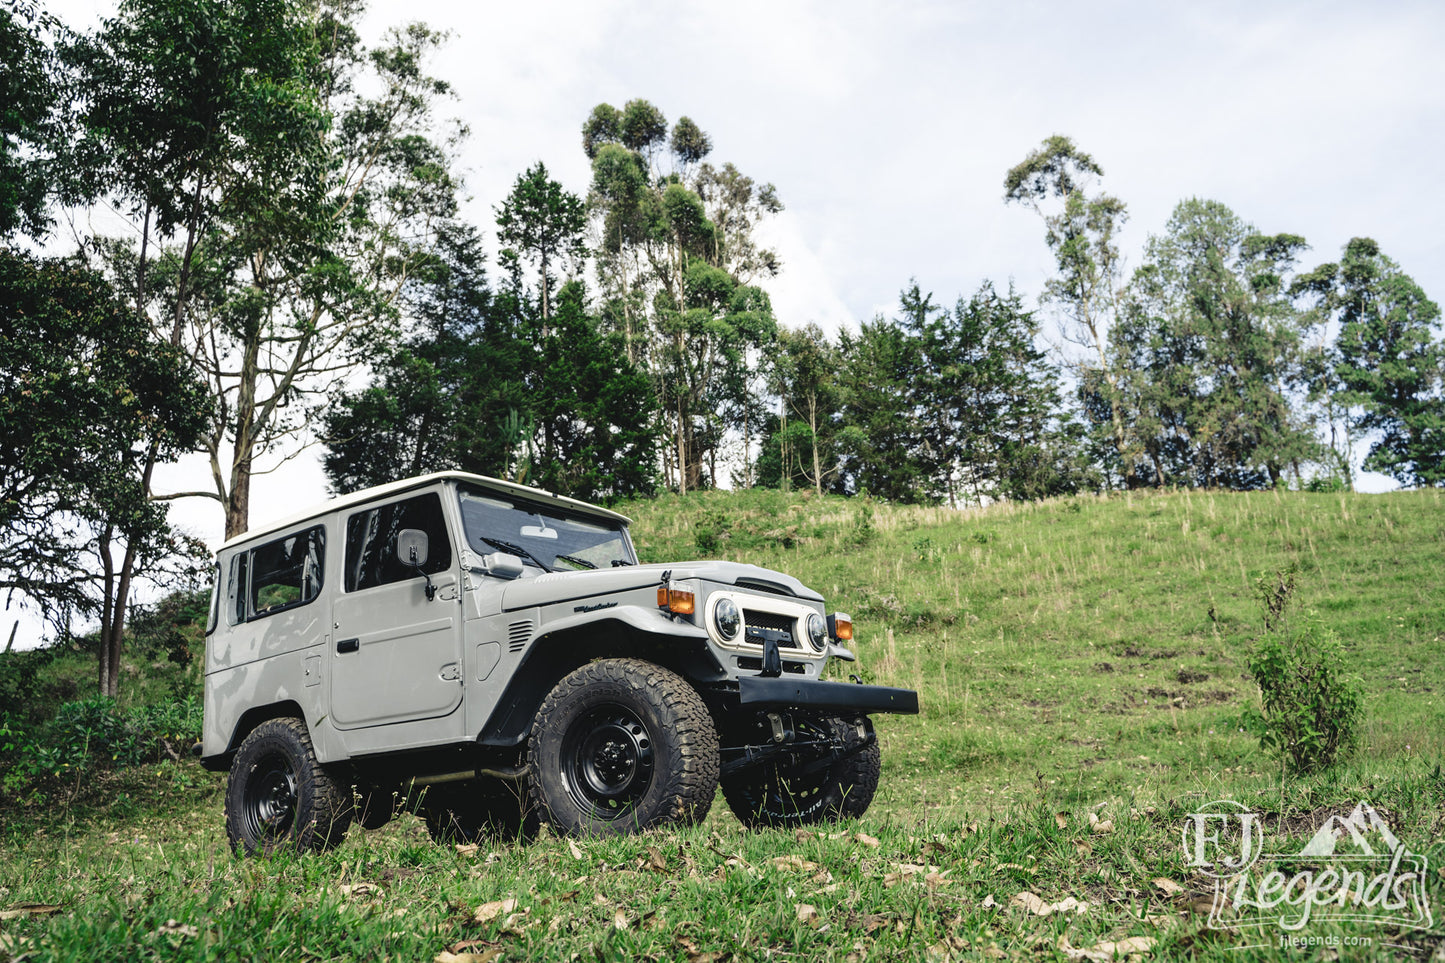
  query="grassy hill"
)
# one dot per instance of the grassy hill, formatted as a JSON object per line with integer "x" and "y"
{"x": 1081, "y": 663}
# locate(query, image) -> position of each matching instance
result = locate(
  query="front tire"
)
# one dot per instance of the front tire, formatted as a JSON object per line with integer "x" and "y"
{"x": 280, "y": 797}
{"x": 799, "y": 791}
{"x": 621, "y": 745}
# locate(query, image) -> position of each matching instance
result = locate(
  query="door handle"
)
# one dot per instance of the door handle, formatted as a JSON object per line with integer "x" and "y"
{"x": 348, "y": 645}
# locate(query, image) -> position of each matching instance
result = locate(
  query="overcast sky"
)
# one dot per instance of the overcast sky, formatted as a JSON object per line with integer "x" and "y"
{"x": 888, "y": 127}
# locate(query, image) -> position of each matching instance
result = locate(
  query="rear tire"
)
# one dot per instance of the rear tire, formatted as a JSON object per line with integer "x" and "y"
{"x": 786, "y": 794}
{"x": 621, "y": 745}
{"x": 280, "y": 797}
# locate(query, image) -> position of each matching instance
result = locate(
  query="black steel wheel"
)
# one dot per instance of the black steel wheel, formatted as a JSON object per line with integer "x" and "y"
{"x": 620, "y": 745}
{"x": 480, "y": 810}
{"x": 280, "y": 797}
{"x": 835, "y": 782}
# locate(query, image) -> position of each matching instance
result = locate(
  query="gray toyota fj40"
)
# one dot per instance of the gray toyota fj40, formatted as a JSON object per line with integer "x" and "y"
{"x": 490, "y": 655}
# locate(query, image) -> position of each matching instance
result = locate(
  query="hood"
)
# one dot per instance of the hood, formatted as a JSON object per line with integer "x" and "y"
{"x": 556, "y": 587}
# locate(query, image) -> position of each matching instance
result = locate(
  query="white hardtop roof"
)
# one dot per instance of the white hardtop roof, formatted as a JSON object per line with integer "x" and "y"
{"x": 406, "y": 484}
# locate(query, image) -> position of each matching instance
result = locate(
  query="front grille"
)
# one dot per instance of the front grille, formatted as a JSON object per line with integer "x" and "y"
{"x": 768, "y": 620}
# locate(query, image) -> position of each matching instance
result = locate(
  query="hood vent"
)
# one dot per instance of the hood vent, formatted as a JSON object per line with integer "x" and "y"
{"x": 518, "y": 635}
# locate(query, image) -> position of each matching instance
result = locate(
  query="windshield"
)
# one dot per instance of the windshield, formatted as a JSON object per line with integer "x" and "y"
{"x": 541, "y": 537}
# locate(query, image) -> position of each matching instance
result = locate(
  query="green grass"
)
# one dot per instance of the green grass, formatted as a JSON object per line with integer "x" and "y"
{"x": 1074, "y": 657}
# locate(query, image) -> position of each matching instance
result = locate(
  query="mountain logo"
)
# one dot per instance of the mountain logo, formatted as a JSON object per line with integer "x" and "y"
{"x": 1359, "y": 826}
{"x": 1353, "y": 869}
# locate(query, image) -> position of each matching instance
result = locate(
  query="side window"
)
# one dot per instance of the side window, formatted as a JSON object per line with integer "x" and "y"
{"x": 278, "y": 575}
{"x": 371, "y": 541}
{"x": 218, "y": 586}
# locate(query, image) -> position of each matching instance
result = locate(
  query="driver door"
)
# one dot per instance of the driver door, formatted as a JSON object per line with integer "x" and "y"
{"x": 396, "y": 655}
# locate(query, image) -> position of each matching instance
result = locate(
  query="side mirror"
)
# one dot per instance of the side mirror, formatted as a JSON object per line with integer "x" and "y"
{"x": 411, "y": 547}
{"x": 411, "y": 550}
{"x": 503, "y": 565}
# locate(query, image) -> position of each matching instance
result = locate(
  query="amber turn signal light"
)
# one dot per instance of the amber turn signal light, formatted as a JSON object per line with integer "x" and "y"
{"x": 675, "y": 600}
{"x": 840, "y": 627}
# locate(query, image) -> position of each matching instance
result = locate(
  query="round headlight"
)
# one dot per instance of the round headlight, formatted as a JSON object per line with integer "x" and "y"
{"x": 727, "y": 618}
{"x": 817, "y": 631}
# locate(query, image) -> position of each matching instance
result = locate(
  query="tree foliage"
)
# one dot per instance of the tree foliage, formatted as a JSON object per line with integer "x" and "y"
{"x": 1387, "y": 367}
{"x": 87, "y": 394}
{"x": 1211, "y": 353}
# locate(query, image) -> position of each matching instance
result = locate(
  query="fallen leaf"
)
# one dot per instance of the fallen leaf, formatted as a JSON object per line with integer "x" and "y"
{"x": 803, "y": 835}
{"x": 1030, "y": 902}
{"x": 1169, "y": 887}
{"x": 793, "y": 862}
{"x": 486, "y": 956}
{"x": 989, "y": 902}
{"x": 29, "y": 909}
{"x": 872, "y": 842}
{"x": 935, "y": 880}
{"x": 1103, "y": 827}
{"x": 655, "y": 860}
{"x": 1038, "y": 907}
{"x": 1061, "y": 820}
{"x": 360, "y": 890}
{"x": 468, "y": 850}
{"x": 807, "y": 913}
{"x": 490, "y": 911}
{"x": 1108, "y": 950}
{"x": 574, "y": 849}
{"x": 619, "y": 919}
{"x": 1084, "y": 847}
{"x": 177, "y": 928}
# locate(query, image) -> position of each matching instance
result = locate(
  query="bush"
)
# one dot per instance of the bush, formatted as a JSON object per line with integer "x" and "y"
{"x": 89, "y": 734}
{"x": 1310, "y": 706}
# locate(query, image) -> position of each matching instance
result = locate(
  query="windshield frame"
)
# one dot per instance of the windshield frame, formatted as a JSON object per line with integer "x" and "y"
{"x": 540, "y": 552}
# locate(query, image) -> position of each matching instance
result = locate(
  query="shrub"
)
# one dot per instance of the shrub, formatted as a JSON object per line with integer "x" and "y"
{"x": 1310, "y": 706}
{"x": 89, "y": 734}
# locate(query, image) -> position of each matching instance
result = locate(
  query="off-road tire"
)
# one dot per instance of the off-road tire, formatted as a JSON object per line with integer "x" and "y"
{"x": 480, "y": 810}
{"x": 782, "y": 794}
{"x": 280, "y": 797}
{"x": 621, "y": 745}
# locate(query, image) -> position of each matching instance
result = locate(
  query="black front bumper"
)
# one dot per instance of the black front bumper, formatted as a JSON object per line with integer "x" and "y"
{"x": 816, "y": 694}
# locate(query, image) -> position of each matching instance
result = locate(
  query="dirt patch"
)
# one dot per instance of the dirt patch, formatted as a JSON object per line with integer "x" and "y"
{"x": 1134, "y": 652}
{"x": 1190, "y": 676}
{"x": 1103, "y": 667}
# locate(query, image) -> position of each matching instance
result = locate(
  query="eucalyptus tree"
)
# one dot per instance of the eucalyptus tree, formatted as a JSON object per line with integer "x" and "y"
{"x": 804, "y": 374}
{"x": 1081, "y": 230}
{"x": 677, "y": 259}
{"x": 1387, "y": 363}
{"x": 292, "y": 179}
{"x": 1212, "y": 351}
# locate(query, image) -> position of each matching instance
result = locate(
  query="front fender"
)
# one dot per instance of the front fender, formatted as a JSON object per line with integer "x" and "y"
{"x": 567, "y": 643}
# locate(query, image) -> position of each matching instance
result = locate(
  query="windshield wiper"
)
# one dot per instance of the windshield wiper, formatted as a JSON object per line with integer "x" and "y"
{"x": 514, "y": 548}
{"x": 575, "y": 560}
